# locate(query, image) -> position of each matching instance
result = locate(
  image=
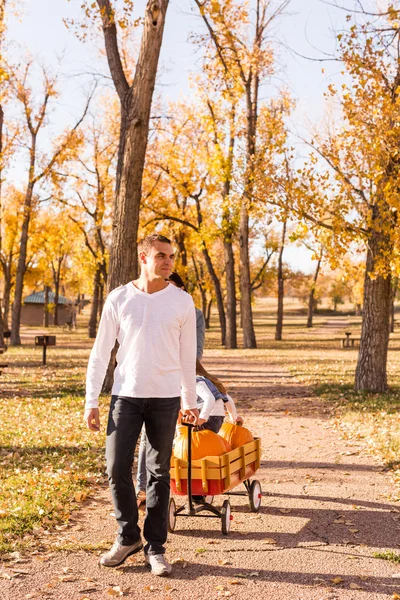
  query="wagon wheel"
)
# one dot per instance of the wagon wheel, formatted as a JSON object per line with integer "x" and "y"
{"x": 209, "y": 499}
{"x": 226, "y": 517}
{"x": 255, "y": 496}
{"x": 171, "y": 515}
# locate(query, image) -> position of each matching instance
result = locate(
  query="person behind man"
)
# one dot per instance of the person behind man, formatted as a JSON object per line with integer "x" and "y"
{"x": 141, "y": 476}
{"x": 155, "y": 326}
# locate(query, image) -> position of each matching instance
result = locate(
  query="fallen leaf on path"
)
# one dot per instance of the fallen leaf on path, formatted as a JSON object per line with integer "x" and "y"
{"x": 220, "y": 588}
{"x": 150, "y": 588}
{"x": 67, "y": 578}
{"x": 21, "y": 571}
{"x": 254, "y": 574}
{"x": 395, "y": 596}
{"x": 339, "y": 520}
{"x": 285, "y": 511}
{"x": 336, "y": 580}
{"x": 224, "y": 562}
{"x": 201, "y": 550}
{"x": 354, "y": 530}
{"x": 115, "y": 591}
{"x": 87, "y": 590}
{"x": 396, "y": 576}
{"x": 235, "y": 582}
{"x": 355, "y": 586}
{"x": 5, "y": 575}
{"x": 269, "y": 541}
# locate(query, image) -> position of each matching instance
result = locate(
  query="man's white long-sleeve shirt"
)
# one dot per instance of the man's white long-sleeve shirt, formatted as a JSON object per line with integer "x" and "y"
{"x": 157, "y": 346}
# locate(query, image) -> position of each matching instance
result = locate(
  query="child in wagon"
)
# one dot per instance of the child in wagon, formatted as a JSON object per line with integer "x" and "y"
{"x": 212, "y": 400}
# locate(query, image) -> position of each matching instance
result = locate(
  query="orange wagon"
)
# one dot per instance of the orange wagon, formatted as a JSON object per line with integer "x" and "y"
{"x": 214, "y": 475}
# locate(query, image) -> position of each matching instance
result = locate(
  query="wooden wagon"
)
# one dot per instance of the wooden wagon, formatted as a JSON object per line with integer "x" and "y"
{"x": 214, "y": 475}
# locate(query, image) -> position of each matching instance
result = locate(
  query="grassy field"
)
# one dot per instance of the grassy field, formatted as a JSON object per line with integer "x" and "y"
{"x": 49, "y": 461}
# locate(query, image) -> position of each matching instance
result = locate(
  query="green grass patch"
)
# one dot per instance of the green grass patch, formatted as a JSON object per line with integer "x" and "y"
{"x": 388, "y": 555}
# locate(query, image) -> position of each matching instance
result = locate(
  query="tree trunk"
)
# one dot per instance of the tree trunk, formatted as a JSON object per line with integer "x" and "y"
{"x": 395, "y": 285}
{"x": 249, "y": 338}
{"x": 281, "y": 287}
{"x": 57, "y": 290}
{"x": 7, "y": 296}
{"x": 207, "y": 315}
{"x": 311, "y": 301}
{"x": 101, "y": 298}
{"x": 371, "y": 373}
{"x": 231, "y": 326}
{"x": 135, "y": 114}
{"x": 15, "y": 339}
{"x": 218, "y": 294}
{"x": 1, "y": 206}
{"x": 180, "y": 242}
{"x": 46, "y": 306}
{"x": 95, "y": 305}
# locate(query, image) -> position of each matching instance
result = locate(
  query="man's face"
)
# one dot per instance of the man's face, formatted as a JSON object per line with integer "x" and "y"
{"x": 159, "y": 260}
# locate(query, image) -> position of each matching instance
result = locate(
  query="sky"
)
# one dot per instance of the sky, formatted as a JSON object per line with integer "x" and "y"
{"x": 308, "y": 28}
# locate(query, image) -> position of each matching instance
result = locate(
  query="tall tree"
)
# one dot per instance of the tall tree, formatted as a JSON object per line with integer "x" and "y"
{"x": 245, "y": 64}
{"x": 39, "y": 169}
{"x": 135, "y": 99}
{"x": 356, "y": 196}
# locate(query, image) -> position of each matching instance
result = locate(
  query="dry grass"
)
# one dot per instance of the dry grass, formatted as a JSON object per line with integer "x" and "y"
{"x": 49, "y": 461}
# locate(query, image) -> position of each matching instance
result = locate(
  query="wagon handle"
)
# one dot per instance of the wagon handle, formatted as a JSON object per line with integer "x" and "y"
{"x": 190, "y": 426}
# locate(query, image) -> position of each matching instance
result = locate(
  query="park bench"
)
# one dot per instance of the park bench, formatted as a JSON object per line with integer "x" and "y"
{"x": 348, "y": 341}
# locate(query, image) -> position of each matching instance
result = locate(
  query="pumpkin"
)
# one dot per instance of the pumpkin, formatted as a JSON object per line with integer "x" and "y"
{"x": 235, "y": 435}
{"x": 228, "y": 447}
{"x": 204, "y": 443}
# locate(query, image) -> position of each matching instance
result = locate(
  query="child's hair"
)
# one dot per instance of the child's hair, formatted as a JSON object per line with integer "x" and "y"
{"x": 200, "y": 370}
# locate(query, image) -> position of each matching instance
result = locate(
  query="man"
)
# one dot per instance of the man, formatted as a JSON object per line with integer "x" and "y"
{"x": 155, "y": 325}
{"x": 141, "y": 476}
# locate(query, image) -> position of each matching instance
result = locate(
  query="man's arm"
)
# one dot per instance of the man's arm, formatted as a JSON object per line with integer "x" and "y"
{"x": 98, "y": 363}
{"x": 187, "y": 355}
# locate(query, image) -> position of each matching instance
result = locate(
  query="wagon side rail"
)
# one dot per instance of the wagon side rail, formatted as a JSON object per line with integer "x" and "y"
{"x": 232, "y": 467}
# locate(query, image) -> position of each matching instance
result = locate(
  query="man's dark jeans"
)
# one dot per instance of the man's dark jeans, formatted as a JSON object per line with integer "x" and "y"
{"x": 125, "y": 421}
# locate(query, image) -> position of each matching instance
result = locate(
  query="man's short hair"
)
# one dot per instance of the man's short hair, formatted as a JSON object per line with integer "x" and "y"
{"x": 147, "y": 242}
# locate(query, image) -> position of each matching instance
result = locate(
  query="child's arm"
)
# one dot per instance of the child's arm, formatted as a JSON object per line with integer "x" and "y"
{"x": 231, "y": 408}
{"x": 204, "y": 393}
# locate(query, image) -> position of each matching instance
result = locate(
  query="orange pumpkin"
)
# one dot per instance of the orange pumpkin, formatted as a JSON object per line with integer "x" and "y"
{"x": 235, "y": 435}
{"x": 228, "y": 447}
{"x": 204, "y": 443}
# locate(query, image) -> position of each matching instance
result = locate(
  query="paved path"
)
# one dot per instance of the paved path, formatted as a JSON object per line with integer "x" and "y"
{"x": 325, "y": 511}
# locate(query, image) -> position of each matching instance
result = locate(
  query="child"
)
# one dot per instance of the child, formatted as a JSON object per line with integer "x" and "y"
{"x": 212, "y": 399}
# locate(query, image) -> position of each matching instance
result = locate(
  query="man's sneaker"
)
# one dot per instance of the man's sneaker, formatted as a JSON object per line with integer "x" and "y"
{"x": 158, "y": 564}
{"x": 141, "y": 500}
{"x": 119, "y": 553}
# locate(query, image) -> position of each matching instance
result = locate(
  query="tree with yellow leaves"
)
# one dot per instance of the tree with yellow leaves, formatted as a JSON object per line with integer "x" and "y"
{"x": 41, "y": 167}
{"x": 356, "y": 197}
{"x": 244, "y": 64}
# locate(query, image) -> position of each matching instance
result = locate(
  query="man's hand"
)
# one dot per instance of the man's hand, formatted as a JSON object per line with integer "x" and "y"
{"x": 92, "y": 419}
{"x": 200, "y": 421}
{"x": 239, "y": 420}
{"x": 191, "y": 415}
